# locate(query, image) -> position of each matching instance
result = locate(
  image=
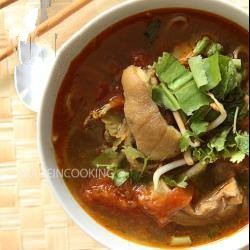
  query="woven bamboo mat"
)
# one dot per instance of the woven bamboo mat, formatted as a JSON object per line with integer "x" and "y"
{"x": 30, "y": 217}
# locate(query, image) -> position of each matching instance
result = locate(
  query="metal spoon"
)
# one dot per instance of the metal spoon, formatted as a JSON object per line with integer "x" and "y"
{"x": 32, "y": 74}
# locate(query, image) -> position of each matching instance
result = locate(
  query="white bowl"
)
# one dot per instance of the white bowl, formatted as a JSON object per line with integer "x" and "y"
{"x": 65, "y": 56}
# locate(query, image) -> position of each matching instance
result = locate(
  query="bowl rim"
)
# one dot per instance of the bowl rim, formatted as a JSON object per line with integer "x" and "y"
{"x": 59, "y": 188}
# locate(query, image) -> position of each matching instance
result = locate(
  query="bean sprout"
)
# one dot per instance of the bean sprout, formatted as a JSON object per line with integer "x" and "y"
{"x": 219, "y": 108}
{"x": 164, "y": 169}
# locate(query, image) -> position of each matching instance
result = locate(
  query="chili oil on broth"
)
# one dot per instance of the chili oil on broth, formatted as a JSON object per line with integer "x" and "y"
{"x": 94, "y": 77}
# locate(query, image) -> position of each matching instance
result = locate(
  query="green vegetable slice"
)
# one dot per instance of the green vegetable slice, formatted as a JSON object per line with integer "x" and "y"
{"x": 201, "y": 46}
{"x": 170, "y": 70}
{"x": 197, "y": 68}
{"x": 214, "y": 48}
{"x": 191, "y": 98}
{"x": 206, "y": 72}
{"x": 162, "y": 96}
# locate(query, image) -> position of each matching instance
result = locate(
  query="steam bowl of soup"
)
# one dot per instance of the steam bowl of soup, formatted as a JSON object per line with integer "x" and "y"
{"x": 145, "y": 116}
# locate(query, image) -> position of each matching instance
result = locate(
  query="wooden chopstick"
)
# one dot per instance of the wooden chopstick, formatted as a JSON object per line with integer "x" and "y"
{"x": 47, "y": 25}
{"x": 4, "y": 3}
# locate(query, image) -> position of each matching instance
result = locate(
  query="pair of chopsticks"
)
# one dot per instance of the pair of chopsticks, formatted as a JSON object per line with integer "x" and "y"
{"x": 4, "y": 3}
{"x": 47, "y": 25}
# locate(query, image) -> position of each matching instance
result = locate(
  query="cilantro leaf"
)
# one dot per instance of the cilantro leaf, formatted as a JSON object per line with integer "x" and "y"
{"x": 184, "y": 141}
{"x": 205, "y": 154}
{"x": 218, "y": 142}
{"x": 120, "y": 177}
{"x": 242, "y": 142}
{"x": 181, "y": 183}
{"x": 132, "y": 153}
{"x": 199, "y": 126}
{"x": 108, "y": 158}
{"x": 237, "y": 157}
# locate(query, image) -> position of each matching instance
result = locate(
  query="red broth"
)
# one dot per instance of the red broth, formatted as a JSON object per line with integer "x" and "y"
{"x": 95, "y": 75}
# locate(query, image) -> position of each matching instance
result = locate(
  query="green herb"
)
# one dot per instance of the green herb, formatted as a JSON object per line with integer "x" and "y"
{"x": 206, "y": 72}
{"x": 205, "y": 155}
{"x": 120, "y": 177}
{"x": 181, "y": 183}
{"x": 201, "y": 46}
{"x": 214, "y": 48}
{"x": 162, "y": 96}
{"x": 229, "y": 76}
{"x": 107, "y": 159}
{"x": 242, "y": 142}
{"x": 225, "y": 145}
{"x": 111, "y": 160}
{"x": 199, "y": 126}
{"x": 171, "y": 72}
{"x": 218, "y": 142}
{"x": 133, "y": 154}
{"x": 237, "y": 157}
{"x": 197, "y": 68}
{"x": 231, "y": 102}
{"x": 184, "y": 141}
{"x": 191, "y": 98}
{"x": 153, "y": 29}
{"x": 178, "y": 80}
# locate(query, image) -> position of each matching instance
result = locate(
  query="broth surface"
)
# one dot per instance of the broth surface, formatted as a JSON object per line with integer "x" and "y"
{"x": 94, "y": 77}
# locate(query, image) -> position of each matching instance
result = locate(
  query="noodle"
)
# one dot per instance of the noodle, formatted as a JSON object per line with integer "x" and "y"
{"x": 177, "y": 19}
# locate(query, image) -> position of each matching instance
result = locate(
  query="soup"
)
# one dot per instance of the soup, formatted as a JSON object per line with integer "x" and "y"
{"x": 150, "y": 128}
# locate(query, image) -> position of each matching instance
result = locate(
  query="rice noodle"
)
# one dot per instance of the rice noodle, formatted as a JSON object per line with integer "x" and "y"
{"x": 177, "y": 19}
{"x": 164, "y": 169}
{"x": 219, "y": 108}
{"x": 239, "y": 50}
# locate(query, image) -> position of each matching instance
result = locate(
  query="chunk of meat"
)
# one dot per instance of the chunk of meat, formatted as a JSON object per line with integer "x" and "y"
{"x": 160, "y": 206}
{"x": 103, "y": 191}
{"x": 215, "y": 207}
{"x": 153, "y": 136}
